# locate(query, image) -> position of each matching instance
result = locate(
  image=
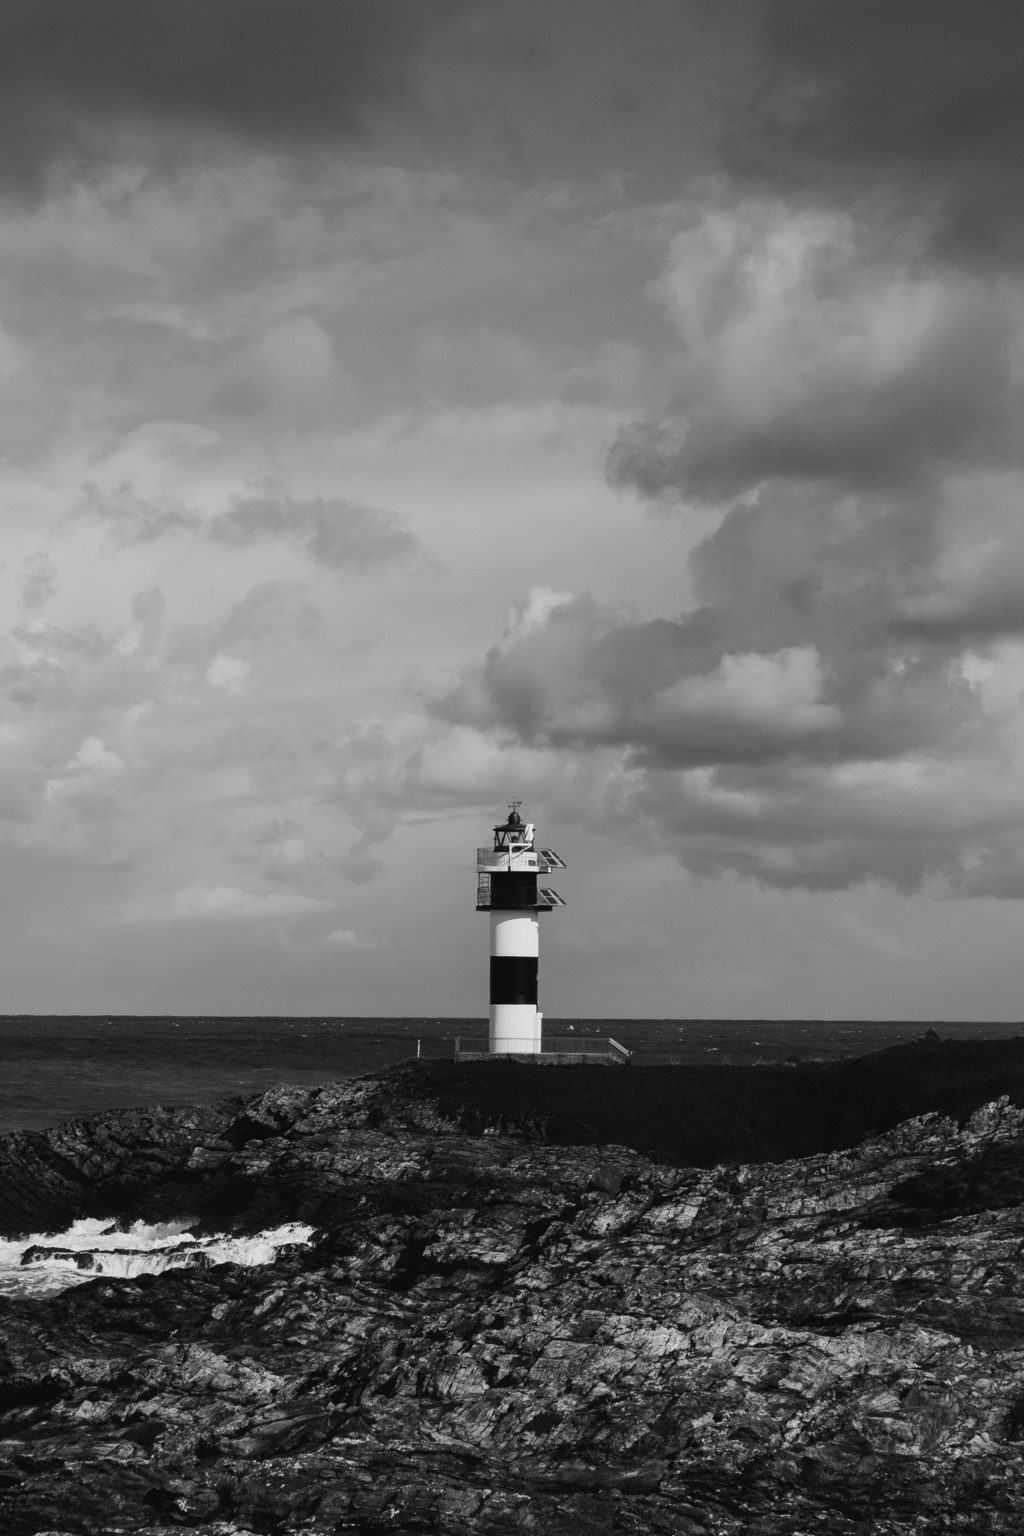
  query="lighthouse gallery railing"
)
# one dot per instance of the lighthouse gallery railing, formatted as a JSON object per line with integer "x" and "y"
{"x": 541, "y": 860}
{"x": 550, "y": 1045}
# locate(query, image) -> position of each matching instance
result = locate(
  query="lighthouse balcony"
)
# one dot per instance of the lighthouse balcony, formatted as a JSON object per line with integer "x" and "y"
{"x": 501, "y": 860}
{"x": 546, "y": 900}
{"x": 497, "y": 860}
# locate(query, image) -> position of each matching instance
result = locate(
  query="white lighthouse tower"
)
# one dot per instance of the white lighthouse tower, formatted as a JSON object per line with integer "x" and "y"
{"x": 507, "y": 889}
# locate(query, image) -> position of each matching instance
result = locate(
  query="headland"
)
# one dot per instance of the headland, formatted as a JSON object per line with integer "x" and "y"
{"x": 681, "y": 1300}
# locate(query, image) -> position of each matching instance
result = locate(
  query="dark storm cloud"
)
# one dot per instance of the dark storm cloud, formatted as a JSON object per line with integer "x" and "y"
{"x": 790, "y": 828}
{"x": 988, "y": 608}
{"x": 918, "y": 99}
{"x": 792, "y": 655}
{"x": 519, "y": 88}
{"x": 951, "y": 405}
{"x": 813, "y": 723}
{"x": 277, "y": 71}
{"x": 807, "y": 354}
{"x": 979, "y": 624}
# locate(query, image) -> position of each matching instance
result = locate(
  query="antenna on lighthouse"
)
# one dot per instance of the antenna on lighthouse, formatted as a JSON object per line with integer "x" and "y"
{"x": 507, "y": 889}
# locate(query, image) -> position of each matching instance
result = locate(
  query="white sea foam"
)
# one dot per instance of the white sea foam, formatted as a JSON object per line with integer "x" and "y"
{"x": 90, "y": 1248}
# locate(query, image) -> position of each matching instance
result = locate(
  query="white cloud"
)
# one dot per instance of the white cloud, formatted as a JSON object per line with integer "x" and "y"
{"x": 779, "y": 693}
{"x": 228, "y": 673}
{"x": 94, "y": 757}
{"x": 540, "y": 604}
{"x": 345, "y": 938}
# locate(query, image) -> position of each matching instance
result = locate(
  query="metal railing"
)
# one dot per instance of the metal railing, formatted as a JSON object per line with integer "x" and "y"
{"x": 499, "y": 859}
{"x": 602, "y": 1046}
{"x": 543, "y": 860}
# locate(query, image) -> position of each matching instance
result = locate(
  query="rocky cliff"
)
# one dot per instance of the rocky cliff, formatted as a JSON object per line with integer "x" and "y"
{"x": 496, "y": 1329}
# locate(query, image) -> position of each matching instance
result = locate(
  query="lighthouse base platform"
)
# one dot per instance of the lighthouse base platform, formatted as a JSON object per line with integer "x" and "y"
{"x": 557, "y": 1051}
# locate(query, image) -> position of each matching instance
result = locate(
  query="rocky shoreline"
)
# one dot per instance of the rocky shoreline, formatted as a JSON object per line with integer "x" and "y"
{"x": 547, "y": 1300}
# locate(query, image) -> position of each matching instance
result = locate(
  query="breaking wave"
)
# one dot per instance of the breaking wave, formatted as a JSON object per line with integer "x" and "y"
{"x": 90, "y": 1248}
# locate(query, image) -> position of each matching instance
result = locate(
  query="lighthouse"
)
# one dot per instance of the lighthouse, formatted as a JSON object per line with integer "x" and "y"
{"x": 507, "y": 888}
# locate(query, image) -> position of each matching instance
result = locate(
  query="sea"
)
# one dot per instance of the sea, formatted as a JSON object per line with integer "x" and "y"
{"x": 55, "y": 1068}
{"x": 62, "y": 1068}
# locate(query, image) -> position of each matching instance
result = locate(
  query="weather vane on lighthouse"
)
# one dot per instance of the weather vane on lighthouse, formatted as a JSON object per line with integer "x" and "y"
{"x": 507, "y": 889}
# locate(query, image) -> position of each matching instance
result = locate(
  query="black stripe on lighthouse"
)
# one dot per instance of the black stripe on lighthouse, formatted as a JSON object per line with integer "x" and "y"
{"x": 513, "y": 891}
{"x": 514, "y": 979}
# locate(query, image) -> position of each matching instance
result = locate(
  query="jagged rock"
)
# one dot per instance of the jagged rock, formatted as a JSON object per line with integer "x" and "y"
{"x": 492, "y": 1334}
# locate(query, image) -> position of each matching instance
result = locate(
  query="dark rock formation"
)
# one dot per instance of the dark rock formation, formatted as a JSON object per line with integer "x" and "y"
{"x": 496, "y": 1330}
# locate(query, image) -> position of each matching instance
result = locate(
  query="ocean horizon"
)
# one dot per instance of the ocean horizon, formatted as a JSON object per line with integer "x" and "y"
{"x": 61, "y": 1067}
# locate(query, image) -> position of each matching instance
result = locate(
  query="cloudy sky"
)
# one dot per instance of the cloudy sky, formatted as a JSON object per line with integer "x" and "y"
{"x": 409, "y": 404}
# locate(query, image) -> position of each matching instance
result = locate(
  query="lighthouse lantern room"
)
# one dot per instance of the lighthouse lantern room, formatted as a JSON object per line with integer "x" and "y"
{"x": 507, "y": 888}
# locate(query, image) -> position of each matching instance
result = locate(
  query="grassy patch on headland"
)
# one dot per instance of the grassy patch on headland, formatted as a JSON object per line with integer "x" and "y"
{"x": 702, "y": 1115}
